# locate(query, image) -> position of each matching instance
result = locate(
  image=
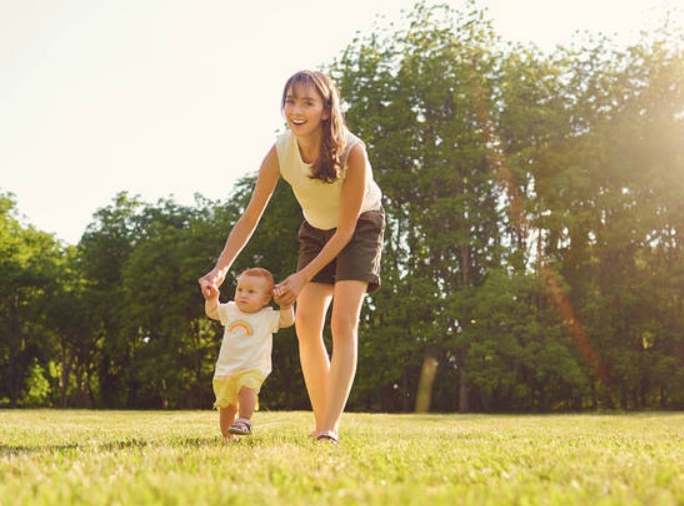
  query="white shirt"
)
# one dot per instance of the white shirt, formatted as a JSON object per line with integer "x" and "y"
{"x": 247, "y": 339}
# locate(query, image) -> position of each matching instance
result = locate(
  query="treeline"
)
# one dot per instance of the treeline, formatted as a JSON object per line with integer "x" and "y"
{"x": 533, "y": 257}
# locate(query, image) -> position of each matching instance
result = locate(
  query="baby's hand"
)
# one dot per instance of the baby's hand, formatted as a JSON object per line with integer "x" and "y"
{"x": 209, "y": 283}
{"x": 209, "y": 291}
{"x": 277, "y": 297}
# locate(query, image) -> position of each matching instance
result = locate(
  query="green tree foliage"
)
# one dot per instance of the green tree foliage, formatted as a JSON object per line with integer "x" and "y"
{"x": 532, "y": 262}
{"x": 416, "y": 99}
{"x": 106, "y": 247}
{"x": 30, "y": 269}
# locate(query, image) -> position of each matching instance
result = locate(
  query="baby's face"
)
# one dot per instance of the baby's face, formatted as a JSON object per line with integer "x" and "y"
{"x": 252, "y": 293}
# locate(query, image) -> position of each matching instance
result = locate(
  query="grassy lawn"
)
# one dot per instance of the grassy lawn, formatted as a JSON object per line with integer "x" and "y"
{"x": 115, "y": 457}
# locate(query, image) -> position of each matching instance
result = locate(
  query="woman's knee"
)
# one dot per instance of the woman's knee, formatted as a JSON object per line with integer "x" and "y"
{"x": 312, "y": 306}
{"x": 308, "y": 323}
{"x": 344, "y": 327}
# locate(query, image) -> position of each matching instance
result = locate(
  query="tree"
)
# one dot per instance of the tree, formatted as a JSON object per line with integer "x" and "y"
{"x": 429, "y": 147}
{"x": 29, "y": 266}
{"x": 606, "y": 198}
{"x": 104, "y": 250}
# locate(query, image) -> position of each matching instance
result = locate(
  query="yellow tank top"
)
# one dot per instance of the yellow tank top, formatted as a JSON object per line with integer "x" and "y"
{"x": 320, "y": 201}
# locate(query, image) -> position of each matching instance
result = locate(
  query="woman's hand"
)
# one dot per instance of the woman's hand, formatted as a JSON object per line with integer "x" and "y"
{"x": 286, "y": 293}
{"x": 210, "y": 283}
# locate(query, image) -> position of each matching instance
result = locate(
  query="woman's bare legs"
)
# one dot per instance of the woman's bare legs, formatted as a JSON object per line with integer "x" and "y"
{"x": 347, "y": 301}
{"x": 329, "y": 382}
{"x": 312, "y": 305}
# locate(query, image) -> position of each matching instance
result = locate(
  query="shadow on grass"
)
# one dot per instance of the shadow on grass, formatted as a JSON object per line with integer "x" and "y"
{"x": 72, "y": 447}
{"x": 109, "y": 446}
{"x": 9, "y": 450}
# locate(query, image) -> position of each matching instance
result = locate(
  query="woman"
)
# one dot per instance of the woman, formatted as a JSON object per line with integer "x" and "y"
{"x": 340, "y": 238}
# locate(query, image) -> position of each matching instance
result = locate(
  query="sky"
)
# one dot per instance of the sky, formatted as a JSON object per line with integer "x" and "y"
{"x": 169, "y": 98}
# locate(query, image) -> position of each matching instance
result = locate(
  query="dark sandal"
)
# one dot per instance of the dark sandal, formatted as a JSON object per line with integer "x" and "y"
{"x": 241, "y": 427}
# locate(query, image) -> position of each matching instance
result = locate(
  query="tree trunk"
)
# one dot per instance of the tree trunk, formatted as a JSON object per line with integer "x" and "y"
{"x": 426, "y": 382}
{"x": 67, "y": 364}
{"x": 463, "y": 406}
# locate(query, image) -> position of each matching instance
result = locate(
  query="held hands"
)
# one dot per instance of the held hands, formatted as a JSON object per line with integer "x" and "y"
{"x": 279, "y": 300}
{"x": 209, "y": 283}
{"x": 285, "y": 294}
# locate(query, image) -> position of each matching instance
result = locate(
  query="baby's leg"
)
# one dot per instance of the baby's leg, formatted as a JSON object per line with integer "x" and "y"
{"x": 226, "y": 419}
{"x": 247, "y": 399}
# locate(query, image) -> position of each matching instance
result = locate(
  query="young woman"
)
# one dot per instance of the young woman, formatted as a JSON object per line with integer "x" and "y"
{"x": 340, "y": 238}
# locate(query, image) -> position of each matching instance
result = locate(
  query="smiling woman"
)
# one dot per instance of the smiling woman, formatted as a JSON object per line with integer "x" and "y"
{"x": 340, "y": 239}
{"x": 311, "y": 108}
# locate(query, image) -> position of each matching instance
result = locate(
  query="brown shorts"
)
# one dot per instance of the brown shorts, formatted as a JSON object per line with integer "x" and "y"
{"x": 359, "y": 260}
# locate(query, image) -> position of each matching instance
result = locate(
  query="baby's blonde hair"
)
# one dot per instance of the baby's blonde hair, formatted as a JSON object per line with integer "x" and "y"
{"x": 260, "y": 272}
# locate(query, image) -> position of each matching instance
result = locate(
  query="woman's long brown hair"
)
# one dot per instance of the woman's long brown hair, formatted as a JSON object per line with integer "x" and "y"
{"x": 329, "y": 163}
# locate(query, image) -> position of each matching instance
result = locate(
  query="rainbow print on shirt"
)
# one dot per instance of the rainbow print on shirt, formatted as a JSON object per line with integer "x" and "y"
{"x": 241, "y": 324}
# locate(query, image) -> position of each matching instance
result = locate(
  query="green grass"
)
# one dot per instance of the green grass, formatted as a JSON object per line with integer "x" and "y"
{"x": 115, "y": 457}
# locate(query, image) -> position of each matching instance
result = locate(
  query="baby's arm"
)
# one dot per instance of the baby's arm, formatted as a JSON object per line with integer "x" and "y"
{"x": 287, "y": 314}
{"x": 287, "y": 317}
{"x": 211, "y": 304}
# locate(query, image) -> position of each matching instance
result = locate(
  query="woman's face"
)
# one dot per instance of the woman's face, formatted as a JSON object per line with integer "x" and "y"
{"x": 304, "y": 109}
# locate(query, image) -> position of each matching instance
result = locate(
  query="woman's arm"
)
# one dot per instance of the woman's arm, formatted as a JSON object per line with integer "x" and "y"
{"x": 244, "y": 227}
{"x": 353, "y": 191}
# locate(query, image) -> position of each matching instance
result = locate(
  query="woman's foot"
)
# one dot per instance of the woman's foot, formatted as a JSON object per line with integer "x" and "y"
{"x": 328, "y": 436}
